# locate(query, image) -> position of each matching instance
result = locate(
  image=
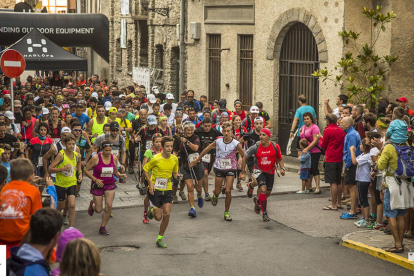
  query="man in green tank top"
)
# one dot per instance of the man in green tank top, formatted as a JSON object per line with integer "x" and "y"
{"x": 95, "y": 126}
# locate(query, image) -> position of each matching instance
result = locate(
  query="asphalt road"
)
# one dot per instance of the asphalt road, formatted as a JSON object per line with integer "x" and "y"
{"x": 207, "y": 245}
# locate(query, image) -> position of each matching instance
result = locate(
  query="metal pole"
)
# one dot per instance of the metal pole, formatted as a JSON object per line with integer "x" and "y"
{"x": 12, "y": 97}
{"x": 182, "y": 47}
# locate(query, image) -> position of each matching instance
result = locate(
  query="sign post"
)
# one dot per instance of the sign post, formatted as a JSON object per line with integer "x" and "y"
{"x": 12, "y": 65}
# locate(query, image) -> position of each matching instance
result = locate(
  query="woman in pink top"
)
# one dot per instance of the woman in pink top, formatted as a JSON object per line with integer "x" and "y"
{"x": 310, "y": 132}
{"x": 103, "y": 182}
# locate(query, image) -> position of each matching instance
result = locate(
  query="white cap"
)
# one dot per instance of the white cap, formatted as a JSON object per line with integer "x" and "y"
{"x": 151, "y": 98}
{"x": 107, "y": 105}
{"x": 260, "y": 118}
{"x": 95, "y": 95}
{"x": 254, "y": 109}
{"x": 45, "y": 111}
{"x": 9, "y": 115}
{"x": 155, "y": 90}
{"x": 65, "y": 130}
{"x": 170, "y": 96}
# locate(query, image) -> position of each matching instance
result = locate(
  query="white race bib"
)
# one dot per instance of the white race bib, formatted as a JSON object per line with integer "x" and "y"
{"x": 115, "y": 152}
{"x": 70, "y": 173}
{"x": 193, "y": 156}
{"x": 256, "y": 173}
{"x": 206, "y": 158}
{"x": 107, "y": 171}
{"x": 40, "y": 161}
{"x": 148, "y": 145}
{"x": 161, "y": 183}
{"x": 225, "y": 164}
{"x": 124, "y": 133}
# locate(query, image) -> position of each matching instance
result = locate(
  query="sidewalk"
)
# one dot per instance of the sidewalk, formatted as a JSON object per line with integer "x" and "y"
{"x": 127, "y": 194}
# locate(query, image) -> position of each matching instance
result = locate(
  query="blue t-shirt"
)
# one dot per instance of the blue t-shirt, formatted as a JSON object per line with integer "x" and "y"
{"x": 83, "y": 119}
{"x": 7, "y": 165}
{"x": 299, "y": 114}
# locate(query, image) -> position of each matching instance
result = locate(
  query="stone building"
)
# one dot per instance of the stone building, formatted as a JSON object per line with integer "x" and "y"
{"x": 266, "y": 51}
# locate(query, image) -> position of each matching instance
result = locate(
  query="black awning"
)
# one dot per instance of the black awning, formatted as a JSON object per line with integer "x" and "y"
{"x": 41, "y": 53}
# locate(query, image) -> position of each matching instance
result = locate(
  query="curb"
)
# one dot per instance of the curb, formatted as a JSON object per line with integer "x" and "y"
{"x": 378, "y": 253}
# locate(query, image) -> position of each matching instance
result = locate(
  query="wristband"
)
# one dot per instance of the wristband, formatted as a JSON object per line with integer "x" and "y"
{"x": 282, "y": 168}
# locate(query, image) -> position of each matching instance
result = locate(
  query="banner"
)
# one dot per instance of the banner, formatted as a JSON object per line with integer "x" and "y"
{"x": 124, "y": 7}
{"x": 142, "y": 76}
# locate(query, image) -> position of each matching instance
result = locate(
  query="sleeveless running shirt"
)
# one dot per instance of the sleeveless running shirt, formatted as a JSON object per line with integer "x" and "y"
{"x": 226, "y": 158}
{"x": 67, "y": 179}
{"x": 98, "y": 128}
{"x": 105, "y": 172}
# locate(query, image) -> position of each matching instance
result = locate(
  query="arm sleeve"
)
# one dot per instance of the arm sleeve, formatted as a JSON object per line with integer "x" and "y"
{"x": 297, "y": 114}
{"x": 389, "y": 130}
{"x": 279, "y": 153}
{"x": 384, "y": 158}
{"x": 148, "y": 154}
{"x": 151, "y": 164}
{"x": 363, "y": 159}
{"x": 123, "y": 144}
{"x": 252, "y": 150}
{"x": 51, "y": 190}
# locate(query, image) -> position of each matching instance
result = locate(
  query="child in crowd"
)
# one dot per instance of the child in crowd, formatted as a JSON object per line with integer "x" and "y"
{"x": 305, "y": 167}
{"x": 397, "y": 131}
{"x": 363, "y": 176}
{"x": 5, "y": 159}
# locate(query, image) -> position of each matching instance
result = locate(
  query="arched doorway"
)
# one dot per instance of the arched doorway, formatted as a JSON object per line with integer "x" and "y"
{"x": 298, "y": 60}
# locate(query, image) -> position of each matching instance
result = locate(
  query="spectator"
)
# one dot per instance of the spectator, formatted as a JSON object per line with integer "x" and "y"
{"x": 310, "y": 132}
{"x": 31, "y": 258}
{"x": 390, "y": 108}
{"x": 170, "y": 101}
{"x": 81, "y": 257}
{"x": 352, "y": 138}
{"x": 5, "y": 160}
{"x": 369, "y": 122}
{"x": 4, "y": 175}
{"x": 342, "y": 100}
{"x": 305, "y": 167}
{"x": 192, "y": 102}
{"x": 298, "y": 121}
{"x": 15, "y": 218}
{"x": 333, "y": 143}
{"x": 357, "y": 113}
{"x": 347, "y": 111}
{"x": 402, "y": 102}
{"x": 397, "y": 131}
{"x": 66, "y": 236}
{"x": 264, "y": 114}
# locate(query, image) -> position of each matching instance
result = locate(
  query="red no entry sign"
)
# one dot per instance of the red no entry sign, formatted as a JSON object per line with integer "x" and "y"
{"x": 12, "y": 63}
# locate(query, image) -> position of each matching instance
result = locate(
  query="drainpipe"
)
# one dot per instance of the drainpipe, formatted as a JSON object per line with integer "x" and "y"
{"x": 182, "y": 44}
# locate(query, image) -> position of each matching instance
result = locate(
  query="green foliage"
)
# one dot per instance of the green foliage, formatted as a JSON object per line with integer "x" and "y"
{"x": 363, "y": 75}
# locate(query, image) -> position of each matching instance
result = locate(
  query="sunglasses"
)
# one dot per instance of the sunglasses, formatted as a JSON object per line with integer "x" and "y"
{"x": 190, "y": 97}
{"x": 106, "y": 145}
{"x": 77, "y": 130}
{"x": 115, "y": 129}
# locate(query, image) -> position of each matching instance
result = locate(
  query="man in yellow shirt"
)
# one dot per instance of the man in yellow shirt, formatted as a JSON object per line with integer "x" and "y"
{"x": 93, "y": 102}
{"x": 163, "y": 166}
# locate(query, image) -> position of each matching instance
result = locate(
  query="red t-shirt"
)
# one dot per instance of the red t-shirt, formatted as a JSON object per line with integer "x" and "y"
{"x": 267, "y": 157}
{"x": 80, "y": 83}
{"x": 242, "y": 114}
{"x": 237, "y": 132}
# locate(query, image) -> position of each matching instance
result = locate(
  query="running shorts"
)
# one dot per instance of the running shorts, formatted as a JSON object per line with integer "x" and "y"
{"x": 62, "y": 192}
{"x": 160, "y": 198}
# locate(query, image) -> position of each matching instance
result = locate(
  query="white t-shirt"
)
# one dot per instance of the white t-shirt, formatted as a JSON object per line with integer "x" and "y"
{"x": 336, "y": 112}
{"x": 373, "y": 152}
{"x": 14, "y": 128}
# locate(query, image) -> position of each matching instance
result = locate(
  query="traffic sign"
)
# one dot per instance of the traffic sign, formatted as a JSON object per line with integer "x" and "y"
{"x": 12, "y": 63}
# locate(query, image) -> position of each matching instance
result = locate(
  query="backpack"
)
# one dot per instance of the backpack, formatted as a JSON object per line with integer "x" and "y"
{"x": 274, "y": 147}
{"x": 405, "y": 161}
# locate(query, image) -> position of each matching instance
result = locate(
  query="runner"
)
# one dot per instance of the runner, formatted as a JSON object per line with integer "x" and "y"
{"x": 66, "y": 164}
{"x": 266, "y": 155}
{"x": 95, "y": 125}
{"x": 163, "y": 167}
{"x": 134, "y": 146}
{"x": 55, "y": 125}
{"x": 225, "y": 165}
{"x": 149, "y": 154}
{"x": 84, "y": 146}
{"x": 163, "y": 124}
{"x": 187, "y": 146}
{"x": 103, "y": 182}
{"x": 207, "y": 135}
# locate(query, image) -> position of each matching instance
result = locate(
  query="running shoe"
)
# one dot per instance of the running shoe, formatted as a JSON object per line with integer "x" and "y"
{"x": 145, "y": 219}
{"x": 373, "y": 217}
{"x": 207, "y": 197}
{"x": 265, "y": 217}
{"x": 373, "y": 225}
{"x": 150, "y": 214}
{"x": 200, "y": 202}
{"x": 65, "y": 221}
{"x": 103, "y": 231}
{"x": 257, "y": 207}
{"x": 183, "y": 196}
{"x": 307, "y": 192}
{"x": 192, "y": 213}
{"x": 300, "y": 192}
{"x": 130, "y": 170}
{"x": 357, "y": 223}
{"x": 364, "y": 224}
{"x": 90, "y": 209}
{"x": 227, "y": 216}
{"x": 161, "y": 244}
{"x": 175, "y": 199}
{"x": 214, "y": 200}
{"x": 121, "y": 180}
{"x": 250, "y": 191}
{"x": 348, "y": 216}
{"x": 239, "y": 187}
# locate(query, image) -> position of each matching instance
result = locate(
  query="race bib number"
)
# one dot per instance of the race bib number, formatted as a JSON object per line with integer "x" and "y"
{"x": 115, "y": 152}
{"x": 124, "y": 133}
{"x": 40, "y": 161}
{"x": 69, "y": 173}
{"x": 193, "y": 156}
{"x": 107, "y": 172}
{"x": 225, "y": 164}
{"x": 148, "y": 145}
{"x": 161, "y": 183}
{"x": 256, "y": 173}
{"x": 206, "y": 158}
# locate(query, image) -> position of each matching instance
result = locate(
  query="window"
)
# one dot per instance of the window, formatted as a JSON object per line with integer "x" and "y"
{"x": 159, "y": 59}
{"x": 118, "y": 55}
{"x": 246, "y": 70}
{"x": 214, "y": 66}
{"x": 130, "y": 57}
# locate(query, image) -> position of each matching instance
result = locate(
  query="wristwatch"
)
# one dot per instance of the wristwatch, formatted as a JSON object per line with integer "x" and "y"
{"x": 282, "y": 168}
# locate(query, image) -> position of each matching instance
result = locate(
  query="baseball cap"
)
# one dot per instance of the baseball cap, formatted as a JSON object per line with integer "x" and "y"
{"x": 59, "y": 98}
{"x": 114, "y": 126}
{"x": 254, "y": 109}
{"x": 151, "y": 120}
{"x": 224, "y": 114}
{"x": 113, "y": 109}
{"x": 65, "y": 105}
{"x": 170, "y": 96}
{"x": 117, "y": 99}
{"x": 6, "y": 92}
{"x": 45, "y": 111}
{"x": 17, "y": 103}
{"x": 259, "y": 119}
{"x": 266, "y": 131}
{"x": 65, "y": 130}
{"x": 9, "y": 115}
{"x": 94, "y": 95}
{"x": 155, "y": 90}
{"x": 402, "y": 99}
{"x": 87, "y": 88}
{"x": 72, "y": 92}
{"x": 107, "y": 105}
{"x": 151, "y": 98}
{"x": 222, "y": 104}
